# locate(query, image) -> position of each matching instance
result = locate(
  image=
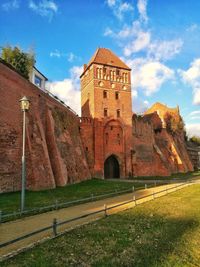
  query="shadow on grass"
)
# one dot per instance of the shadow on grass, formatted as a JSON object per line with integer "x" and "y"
{"x": 126, "y": 239}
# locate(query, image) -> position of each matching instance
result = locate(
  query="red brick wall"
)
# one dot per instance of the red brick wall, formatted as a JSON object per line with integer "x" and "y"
{"x": 54, "y": 151}
{"x": 156, "y": 152}
{"x": 104, "y": 138}
{"x": 62, "y": 148}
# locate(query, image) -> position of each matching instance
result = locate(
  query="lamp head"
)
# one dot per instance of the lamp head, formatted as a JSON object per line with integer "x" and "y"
{"x": 24, "y": 103}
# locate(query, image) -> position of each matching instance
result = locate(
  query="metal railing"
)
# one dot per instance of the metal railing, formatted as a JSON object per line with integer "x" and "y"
{"x": 105, "y": 210}
{"x": 17, "y": 214}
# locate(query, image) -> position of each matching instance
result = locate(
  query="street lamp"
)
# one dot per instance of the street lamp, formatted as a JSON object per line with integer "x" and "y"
{"x": 24, "y": 103}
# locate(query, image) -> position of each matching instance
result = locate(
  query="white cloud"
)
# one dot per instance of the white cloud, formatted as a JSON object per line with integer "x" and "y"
{"x": 75, "y": 73}
{"x": 135, "y": 39}
{"x": 142, "y": 9}
{"x": 192, "y": 27}
{"x": 108, "y": 32}
{"x": 139, "y": 105}
{"x": 14, "y": 4}
{"x": 119, "y": 8}
{"x": 164, "y": 50}
{"x": 68, "y": 90}
{"x": 134, "y": 93}
{"x": 45, "y": 8}
{"x": 70, "y": 56}
{"x": 141, "y": 42}
{"x": 111, "y": 2}
{"x": 55, "y": 53}
{"x": 194, "y": 113}
{"x": 192, "y": 77}
{"x": 127, "y": 32}
{"x": 144, "y": 53}
{"x": 149, "y": 76}
{"x": 193, "y": 129}
{"x": 194, "y": 116}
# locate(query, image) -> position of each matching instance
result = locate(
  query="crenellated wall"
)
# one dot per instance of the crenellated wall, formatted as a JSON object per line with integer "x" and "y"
{"x": 62, "y": 148}
{"x": 156, "y": 151}
{"x": 54, "y": 151}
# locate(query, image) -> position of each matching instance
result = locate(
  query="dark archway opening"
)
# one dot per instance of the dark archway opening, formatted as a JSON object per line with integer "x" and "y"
{"x": 111, "y": 168}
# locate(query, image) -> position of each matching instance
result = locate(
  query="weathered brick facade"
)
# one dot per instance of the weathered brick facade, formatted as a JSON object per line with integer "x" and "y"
{"x": 113, "y": 137}
{"x": 54, "y": 150}
{"x": 107, "y": 141}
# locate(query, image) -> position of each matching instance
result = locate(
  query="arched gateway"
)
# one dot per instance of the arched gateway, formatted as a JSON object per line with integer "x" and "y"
{"x": 111, "y": 168}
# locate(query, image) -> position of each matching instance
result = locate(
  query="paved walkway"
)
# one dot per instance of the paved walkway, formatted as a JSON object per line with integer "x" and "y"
{"x": 14, "y": 229}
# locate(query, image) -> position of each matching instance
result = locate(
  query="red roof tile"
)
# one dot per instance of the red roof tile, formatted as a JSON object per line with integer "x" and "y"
{"x": 105, "y": 56}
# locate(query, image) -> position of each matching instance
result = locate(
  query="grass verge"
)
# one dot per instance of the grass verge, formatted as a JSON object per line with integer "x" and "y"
{"x": 10, "y": 202}
{"x": 161, "y": 233}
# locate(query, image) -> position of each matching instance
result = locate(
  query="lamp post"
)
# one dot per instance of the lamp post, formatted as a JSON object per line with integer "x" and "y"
{"x": 24, "y": 102}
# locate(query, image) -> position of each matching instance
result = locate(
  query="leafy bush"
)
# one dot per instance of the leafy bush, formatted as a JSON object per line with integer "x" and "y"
{"x": 195, "y": 139}
{"x": 22, "y": 61}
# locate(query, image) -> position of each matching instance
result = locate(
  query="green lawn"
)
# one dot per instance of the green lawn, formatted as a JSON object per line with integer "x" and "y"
{"x": 161, "y": 233}
{"x": 11, "y": 201}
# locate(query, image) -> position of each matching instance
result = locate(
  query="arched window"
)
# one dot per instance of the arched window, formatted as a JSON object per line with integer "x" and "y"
{"x": 101, "y": 73}
{"x": 114, "y": 75}
{"x": 98, "y": 73}
{"x": 111, "y": 75}
{"x": 126, "y": 79}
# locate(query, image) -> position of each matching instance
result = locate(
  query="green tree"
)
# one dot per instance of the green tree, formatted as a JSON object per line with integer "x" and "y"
{"x": 22, "y": 61}
{"x": 195, "y": 139}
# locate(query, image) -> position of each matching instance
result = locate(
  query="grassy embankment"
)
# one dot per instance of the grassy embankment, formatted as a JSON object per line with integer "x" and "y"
{"x": 161, "y": 233}
{"x": 11, "y": 201}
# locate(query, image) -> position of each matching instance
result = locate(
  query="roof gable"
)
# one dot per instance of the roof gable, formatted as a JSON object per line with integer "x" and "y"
{"x": 105, "y": 56}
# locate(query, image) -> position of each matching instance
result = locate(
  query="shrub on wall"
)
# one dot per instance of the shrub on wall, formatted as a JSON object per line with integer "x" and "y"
{"x": 23, "y": 62}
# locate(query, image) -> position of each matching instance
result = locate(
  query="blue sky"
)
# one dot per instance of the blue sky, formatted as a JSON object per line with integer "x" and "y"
{"x": 159, "y": 40}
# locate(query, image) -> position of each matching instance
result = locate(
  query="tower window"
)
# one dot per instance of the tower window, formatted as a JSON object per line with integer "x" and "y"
{"x": 114, "y": 75}
{"x": 98, "y": 73}
{"x": 116, "y": 95}
{"x": 104, "y": 70}
{"x": 126, "y": 77}
{"x": 111, "y": 75}
{"x": 105, "y": 112}
{"x": 118, "y": 113}
{"x": 101, "y": 73}
{"x": 117, "y": 72}
{"x": 105, "y": 94}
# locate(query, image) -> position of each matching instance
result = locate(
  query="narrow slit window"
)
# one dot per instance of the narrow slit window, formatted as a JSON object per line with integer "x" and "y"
{"x": 105, "y": 112}
{"x": 116, "y": 95}
{"x": 105, "y": 94}
{"x": 118, "y": 113}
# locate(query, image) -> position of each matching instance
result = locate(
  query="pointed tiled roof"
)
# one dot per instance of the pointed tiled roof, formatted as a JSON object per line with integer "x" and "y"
{"x": 105, "y": 56}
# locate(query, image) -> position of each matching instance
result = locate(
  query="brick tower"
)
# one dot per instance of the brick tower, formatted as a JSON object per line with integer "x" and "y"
{"x": 106, "y": 106}
{"x": 106, "y": 87}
